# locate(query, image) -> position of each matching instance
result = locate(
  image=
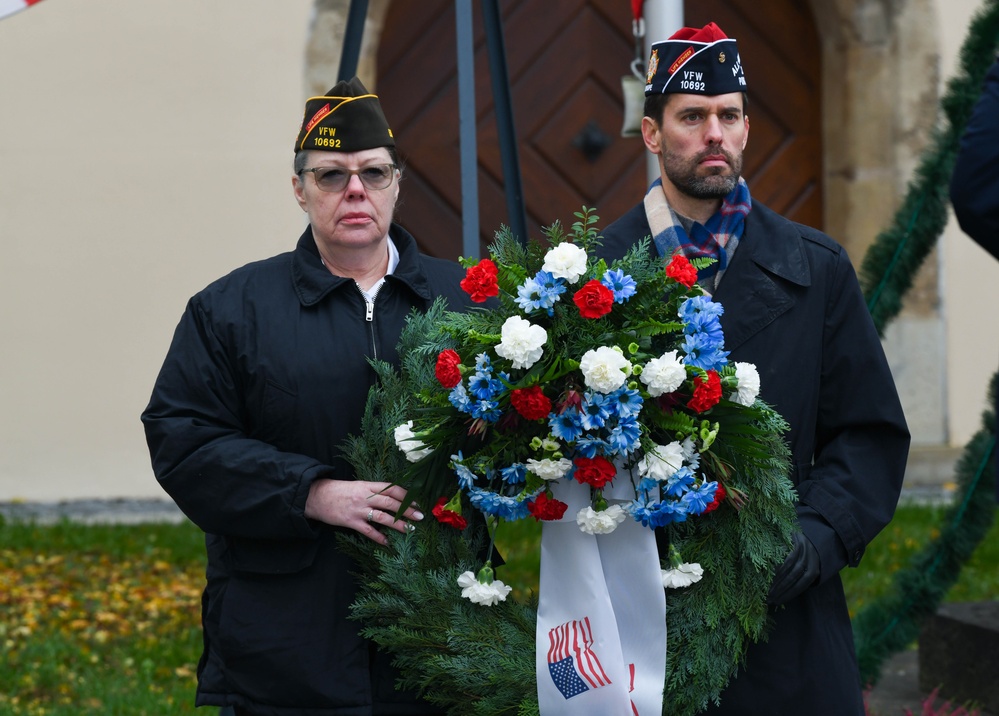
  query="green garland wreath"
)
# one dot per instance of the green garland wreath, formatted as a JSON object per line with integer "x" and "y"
{"x": 471, "y": 659}
{"x": 890, "y": 623}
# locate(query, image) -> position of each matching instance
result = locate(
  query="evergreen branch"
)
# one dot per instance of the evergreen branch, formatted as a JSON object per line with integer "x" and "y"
{"x": 888, "y": 624}
{"x": 892, "y": 622}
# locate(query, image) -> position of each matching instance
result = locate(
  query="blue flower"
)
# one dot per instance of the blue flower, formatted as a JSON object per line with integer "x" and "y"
{"x": 658, "y": 514}
{"x": 566, "y": 426}
{"x": 700, "y": 310}
{"x": 540, "y": 292}
{"x": 483, "y": 364}
{"x": 627, "y": 403}
{"x": 647, "y": 484}
{"x": 699, "y": 498}
{"x": 590, "y": 446}
{"x": 490, "y": 503}
{"x": 702, "y": 352}
{"x": 595, "y": 411}
{"x": 481, "y": 386}
{"x": 642, "y": 511}
{"x": 622, "y": 286}
{"x": 667, "y": 512}
{"x": 624, "y": 438}
{"x": 529, "y": 295}
{"x": 459, "y": 398}
{"x": 515, "y": 474}
{"x": 680, "y": 482}
{"x": 466, "y": 478}
{"x": 488, "y": 410}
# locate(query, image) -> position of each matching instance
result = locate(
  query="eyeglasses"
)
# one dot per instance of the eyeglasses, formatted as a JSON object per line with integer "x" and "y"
{"x": 375, "y": 176}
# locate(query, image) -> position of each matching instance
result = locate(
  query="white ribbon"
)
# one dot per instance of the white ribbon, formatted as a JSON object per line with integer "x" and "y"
{"x": 600, "y": 643}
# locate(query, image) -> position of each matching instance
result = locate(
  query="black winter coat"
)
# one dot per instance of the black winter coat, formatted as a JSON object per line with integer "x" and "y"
{"x": 266, "y": 376}
{"x": 793, "y": 308}
{"x": 974, "y": 188}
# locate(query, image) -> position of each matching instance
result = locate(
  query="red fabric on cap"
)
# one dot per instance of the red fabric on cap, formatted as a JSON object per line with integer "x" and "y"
{"x": 708, "y": 33}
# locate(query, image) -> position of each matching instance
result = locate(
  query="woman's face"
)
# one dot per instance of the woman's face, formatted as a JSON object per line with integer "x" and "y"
{"x": 355, "y": 217}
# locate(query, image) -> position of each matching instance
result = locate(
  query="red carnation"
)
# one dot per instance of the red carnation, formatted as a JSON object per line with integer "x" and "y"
{"x": 680, "y": 270}
{"x": 707, "y": 393}
{"x": 594, "y": 471}
{"x": 447, "y": 371}
{"x": 546, "y": 508}
{"x": 531, "y": 402}
{"x": 448, "y": 517}
{"x": 480, "y": 281}
{"x": 719, "y": 496}
{"x": 594, "y": 299}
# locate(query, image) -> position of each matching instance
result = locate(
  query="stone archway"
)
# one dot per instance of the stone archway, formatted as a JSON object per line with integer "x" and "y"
{"x": 880, "y": 72}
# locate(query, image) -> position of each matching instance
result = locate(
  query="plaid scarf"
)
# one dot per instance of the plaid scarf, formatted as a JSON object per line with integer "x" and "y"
{"x": 717, "y": 239}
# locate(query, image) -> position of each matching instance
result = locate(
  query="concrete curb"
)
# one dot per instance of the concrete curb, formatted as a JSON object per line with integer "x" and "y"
{"x": 114, "y": 511}
{"x": 138, "y": 510}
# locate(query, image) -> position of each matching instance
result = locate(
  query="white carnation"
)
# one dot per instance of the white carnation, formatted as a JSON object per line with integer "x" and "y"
{"x": 682, "y": 576}
{"x": 405, "y": 441}
{"x": 566, "y": 261}
{"x": 600, "y": 523}
{"x": 479, "y": 593}
{"x": 664, "y": 374}
{"x": 662, "y": 461}
{"x": 604, "y": 369}
{"x": 521, "y": 341}
{"x": 549, "y": 469}
{"x": 749, "y": 384}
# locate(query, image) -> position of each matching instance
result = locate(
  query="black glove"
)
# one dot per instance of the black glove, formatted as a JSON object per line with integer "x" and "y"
{"x": 799, "y": 571}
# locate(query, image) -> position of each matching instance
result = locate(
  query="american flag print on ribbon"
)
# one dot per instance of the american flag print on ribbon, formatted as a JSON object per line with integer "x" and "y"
{"x": 573, "y": 665}
{"x": 9, "y": 7}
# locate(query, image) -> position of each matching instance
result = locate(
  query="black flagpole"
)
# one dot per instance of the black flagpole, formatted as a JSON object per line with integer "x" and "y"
{"x": 352, "y": 39}
{"x": 504, "y": 119}
{"x": 466, "y": 130}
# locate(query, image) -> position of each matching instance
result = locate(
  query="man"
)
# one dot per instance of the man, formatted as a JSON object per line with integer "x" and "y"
{"x": 267, "y": 374}
{"x": 794, "y": 309}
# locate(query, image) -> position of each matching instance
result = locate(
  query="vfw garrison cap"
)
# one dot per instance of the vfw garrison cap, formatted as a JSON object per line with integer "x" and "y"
{"x": 695, "y": 61}
{"x": 348, "y": 118}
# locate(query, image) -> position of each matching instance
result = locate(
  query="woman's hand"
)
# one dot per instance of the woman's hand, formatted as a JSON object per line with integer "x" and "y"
{"x": 361, "y": 506}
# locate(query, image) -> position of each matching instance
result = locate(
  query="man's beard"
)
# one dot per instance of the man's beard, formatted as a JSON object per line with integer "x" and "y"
{"x": 714, "y": 185}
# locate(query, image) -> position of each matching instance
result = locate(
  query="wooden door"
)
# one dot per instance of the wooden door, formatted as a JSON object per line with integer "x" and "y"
{"x": 566, "y": 59}
{"x": 780, "y": 51}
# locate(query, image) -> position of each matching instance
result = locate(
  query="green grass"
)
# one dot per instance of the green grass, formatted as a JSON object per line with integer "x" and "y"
{"x": 106, "y": 619}
{"x": 99, "y": 619}
{"x": 910, "y": 530}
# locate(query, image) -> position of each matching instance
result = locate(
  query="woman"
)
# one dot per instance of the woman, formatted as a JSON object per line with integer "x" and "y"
{"x": 267, "y": 374}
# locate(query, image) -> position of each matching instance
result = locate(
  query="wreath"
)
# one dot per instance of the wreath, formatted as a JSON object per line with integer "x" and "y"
{"x": 490, "y": 407}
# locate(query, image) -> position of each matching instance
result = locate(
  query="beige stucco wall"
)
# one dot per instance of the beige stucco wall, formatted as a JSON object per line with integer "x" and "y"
{"x": 145, "y": 150}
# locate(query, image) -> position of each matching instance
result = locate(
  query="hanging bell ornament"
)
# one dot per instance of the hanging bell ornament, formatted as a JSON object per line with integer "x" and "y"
{"x": 633, "y": 85}
{"x": 633, "y": 91}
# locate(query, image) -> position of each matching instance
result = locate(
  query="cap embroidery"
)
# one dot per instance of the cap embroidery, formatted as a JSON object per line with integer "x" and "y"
{"x": 317, "y": 118}
{"x": 653, "y": 66}
{"x": 684, "y": 56}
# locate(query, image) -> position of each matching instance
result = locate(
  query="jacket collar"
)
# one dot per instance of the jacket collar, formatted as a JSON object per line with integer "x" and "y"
{"x": 759, "y": 285}
{"x": 313, "y": 281}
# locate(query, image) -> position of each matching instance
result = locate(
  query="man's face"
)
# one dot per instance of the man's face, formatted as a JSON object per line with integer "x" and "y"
{"x": 355, "y": 217}
{"x": 700, "y": 140}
